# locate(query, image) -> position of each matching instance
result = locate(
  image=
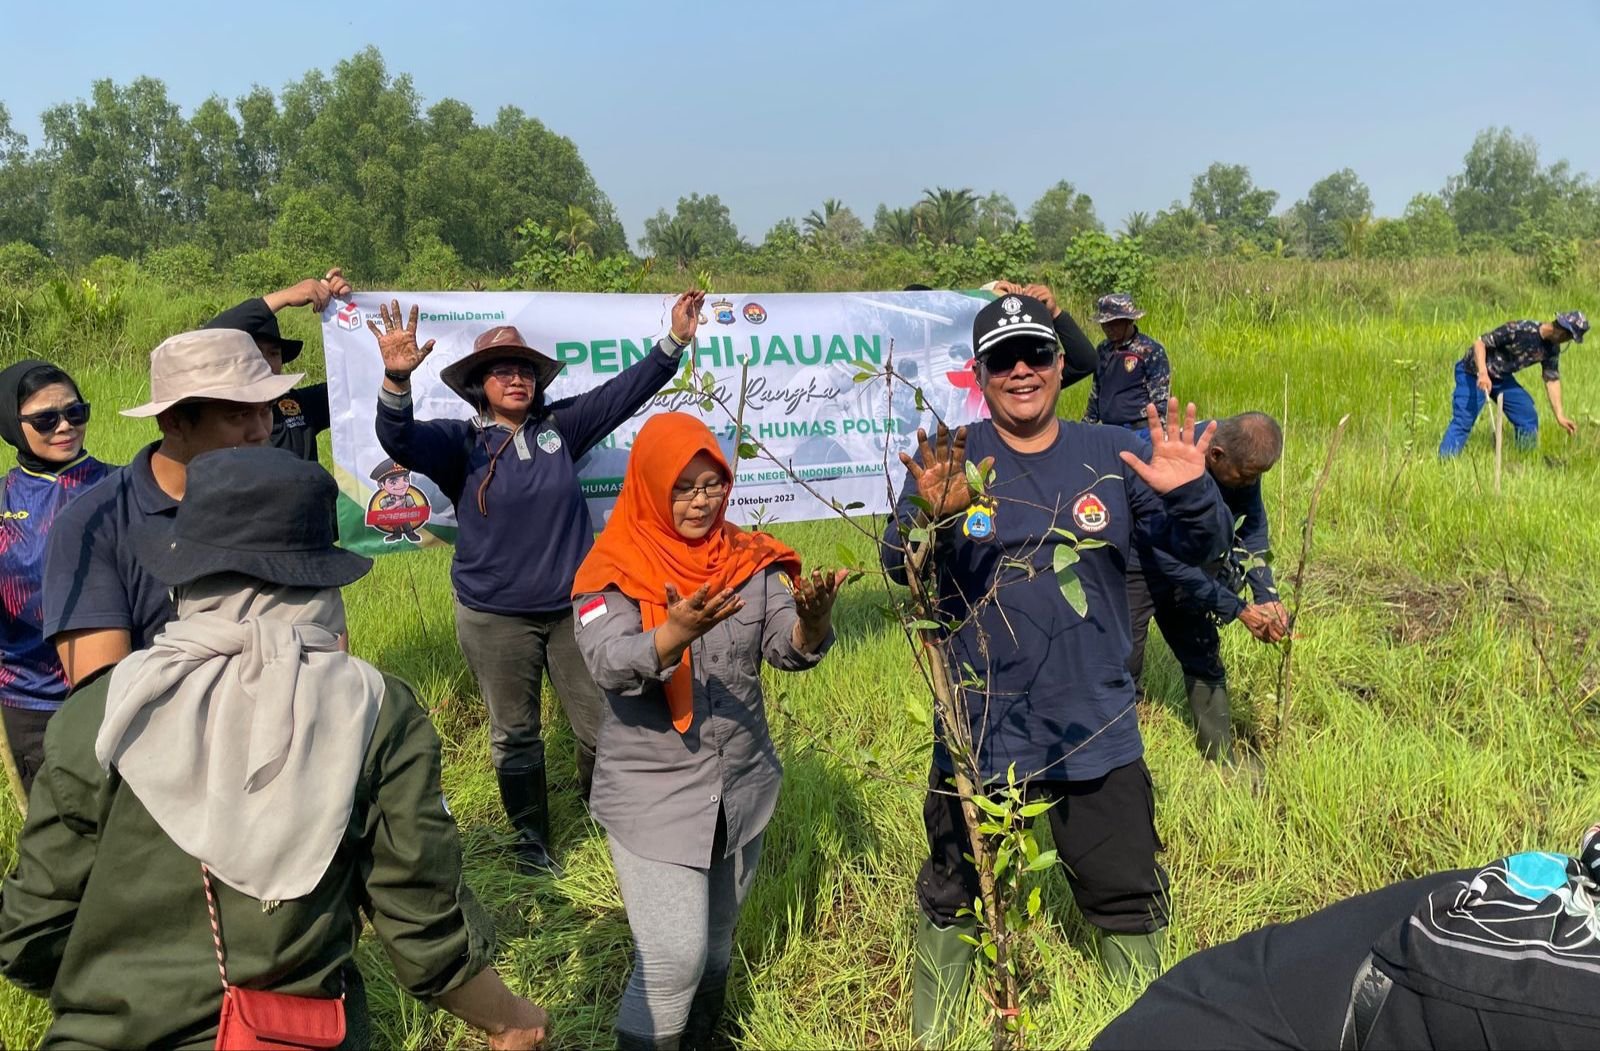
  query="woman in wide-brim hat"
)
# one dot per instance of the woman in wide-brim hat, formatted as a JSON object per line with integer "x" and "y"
{"x": 45, "y": 419}
{"x": 213, "y": 808}
{"x": 523, "y": 527}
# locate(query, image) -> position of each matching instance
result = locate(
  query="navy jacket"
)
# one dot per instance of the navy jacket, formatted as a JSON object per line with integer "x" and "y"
{"x": 1200, "y": 587}
{"x": 1057, "y": 699}
{"x": 519, "y": 558}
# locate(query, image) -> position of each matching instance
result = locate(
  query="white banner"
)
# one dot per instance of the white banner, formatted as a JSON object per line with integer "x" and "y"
{"x": 802, "y": 402}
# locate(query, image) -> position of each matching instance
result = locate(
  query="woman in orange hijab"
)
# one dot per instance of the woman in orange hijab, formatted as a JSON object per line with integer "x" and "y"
{"x": 676, "y": 609}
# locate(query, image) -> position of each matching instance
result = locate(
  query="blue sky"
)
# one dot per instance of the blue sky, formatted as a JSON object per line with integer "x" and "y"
{"x": 777, "y": 106}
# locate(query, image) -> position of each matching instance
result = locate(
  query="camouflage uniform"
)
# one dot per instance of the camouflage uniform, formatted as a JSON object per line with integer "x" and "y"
{"x": 1129, "y": 374}
{"x": 1507, "y": 350}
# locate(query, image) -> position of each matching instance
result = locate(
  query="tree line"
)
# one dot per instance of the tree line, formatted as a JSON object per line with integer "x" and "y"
{"x": 350, "y": 166}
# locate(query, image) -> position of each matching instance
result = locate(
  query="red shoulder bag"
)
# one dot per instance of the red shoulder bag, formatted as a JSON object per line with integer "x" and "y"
{"x": 257, "y": 1020}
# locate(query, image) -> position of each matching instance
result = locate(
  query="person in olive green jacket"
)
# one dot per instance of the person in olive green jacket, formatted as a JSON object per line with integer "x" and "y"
{"x": 243, "y": 743}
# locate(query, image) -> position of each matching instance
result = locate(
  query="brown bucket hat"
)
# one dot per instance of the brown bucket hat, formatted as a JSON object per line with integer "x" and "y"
{"x": 501, "y": 343}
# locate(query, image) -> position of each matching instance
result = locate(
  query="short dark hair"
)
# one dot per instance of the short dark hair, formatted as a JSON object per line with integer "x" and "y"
{"x": 36, "y": 380}
{"x": 1251, "y": 440}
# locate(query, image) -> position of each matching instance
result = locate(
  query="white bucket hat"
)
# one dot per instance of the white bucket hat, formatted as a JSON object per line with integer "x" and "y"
{"x": 219, "y": 364}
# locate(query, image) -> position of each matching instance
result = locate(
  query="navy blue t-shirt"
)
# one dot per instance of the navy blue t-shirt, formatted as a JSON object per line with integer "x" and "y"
{"x": 1059, "y": 702}
{"x": 91, "y": 578}
{"x": 522, "y": 556}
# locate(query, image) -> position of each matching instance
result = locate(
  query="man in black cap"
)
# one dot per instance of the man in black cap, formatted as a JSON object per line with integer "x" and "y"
{"x": 302, "y": 414}
{"x": 1031, "y": 571}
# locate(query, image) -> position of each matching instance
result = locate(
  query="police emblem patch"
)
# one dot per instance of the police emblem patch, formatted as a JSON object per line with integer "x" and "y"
{"x": 979, "y": 524}
{"x": 289, "y": 407}
{"x": 1011, "y": 305}
{"x": 1090, "y": 513}
{"x": 549, "y": 441}
{"x": 1128, "y": 362}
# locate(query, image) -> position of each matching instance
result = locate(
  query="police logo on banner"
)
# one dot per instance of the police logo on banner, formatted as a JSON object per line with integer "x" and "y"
{"x": 1090, "y": 514}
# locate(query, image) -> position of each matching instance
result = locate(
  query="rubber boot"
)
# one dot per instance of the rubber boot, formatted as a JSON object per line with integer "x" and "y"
{"x": 527, "y": 802}
{"x": 939, "y": 975}
{"x": 1126, "y": 957}
{"x": 1212, "y": 726}
{"x": 585, "y": 771}
{"x": 631, "y": 1042}
{"x": 705, "y": 1014}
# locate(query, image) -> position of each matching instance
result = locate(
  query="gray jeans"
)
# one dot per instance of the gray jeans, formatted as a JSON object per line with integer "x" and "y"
{"x": 682, "y": 920}
{"x": 509, "y": 656}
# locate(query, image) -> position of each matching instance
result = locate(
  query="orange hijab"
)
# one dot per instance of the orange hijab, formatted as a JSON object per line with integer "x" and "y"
{"x": 639, "y": 552}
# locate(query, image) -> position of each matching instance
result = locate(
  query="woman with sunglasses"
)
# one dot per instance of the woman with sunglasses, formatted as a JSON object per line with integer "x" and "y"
{"x": 677, "y": 610}
{"x": 43, "y": 417}
{"x": 522, "y": 529}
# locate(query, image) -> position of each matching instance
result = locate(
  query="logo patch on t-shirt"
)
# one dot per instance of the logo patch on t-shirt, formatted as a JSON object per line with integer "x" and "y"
{"x": 549, "y": 441}
{"x": 1129, "y": 361}
{"x": 591, "y": 611}
{"x": 1090, "y": 513}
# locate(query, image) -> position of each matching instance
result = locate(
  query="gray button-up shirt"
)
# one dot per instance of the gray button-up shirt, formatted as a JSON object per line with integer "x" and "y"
{"x": 656, "y": 790}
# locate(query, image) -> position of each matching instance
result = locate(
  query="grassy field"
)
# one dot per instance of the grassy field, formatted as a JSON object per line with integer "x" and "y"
{"x": 1445, "y": 711}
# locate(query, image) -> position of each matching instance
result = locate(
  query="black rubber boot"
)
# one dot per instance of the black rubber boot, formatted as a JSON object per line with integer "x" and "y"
{"x": 627, "y": 1041}
{"x": 705, "y": 1014}
{"x": 527, "y": 802}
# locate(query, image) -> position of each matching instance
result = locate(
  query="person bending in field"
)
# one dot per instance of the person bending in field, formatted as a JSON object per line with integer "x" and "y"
{"x": 1488, "y": 371}
{"x": 1132, "y": 370}
{"x": 302, "y": 414}
{"x": 676, "y": 611}
{"x": 1056, "y": 700}
{"x": 1189, "y": 603}
{"x": 1506, "y": 956}
{"x": 209, "y": 389}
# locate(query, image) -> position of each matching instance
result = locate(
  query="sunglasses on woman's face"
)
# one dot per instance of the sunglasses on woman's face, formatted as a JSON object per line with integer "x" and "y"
{"x": 77, "y": 414}
{"x": 1003, "y": 359}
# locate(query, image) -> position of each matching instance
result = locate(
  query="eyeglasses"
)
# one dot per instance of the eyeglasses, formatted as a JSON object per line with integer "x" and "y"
{"x": 77, "y": 414}
{"x": 511, "y": 371}
{"x": 684, "y": 495}
{"x": 1003, "y": 359}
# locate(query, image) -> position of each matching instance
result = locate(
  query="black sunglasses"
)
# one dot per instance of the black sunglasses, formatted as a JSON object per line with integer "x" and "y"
{"x": 46, "y": 422}
{"x": 1003, "y": 359}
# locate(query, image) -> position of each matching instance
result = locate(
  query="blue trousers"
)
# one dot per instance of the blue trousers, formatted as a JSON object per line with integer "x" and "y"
{"x": 1468, "y": 401}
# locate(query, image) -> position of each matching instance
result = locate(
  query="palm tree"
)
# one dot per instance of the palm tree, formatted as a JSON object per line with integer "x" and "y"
{"x": 899, "y": 227}
{"x": 816, "y": 223}
{"x": 1353, "y": 232}
{"x": 680, "y": 242}
{"x": 576, "y": 227}
{"x": 949, "y": 214}
{"x": 1136, "y": 225}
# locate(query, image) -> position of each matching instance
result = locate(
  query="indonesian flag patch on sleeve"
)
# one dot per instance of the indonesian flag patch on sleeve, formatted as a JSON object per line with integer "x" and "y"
{"x": 591, "y": 611}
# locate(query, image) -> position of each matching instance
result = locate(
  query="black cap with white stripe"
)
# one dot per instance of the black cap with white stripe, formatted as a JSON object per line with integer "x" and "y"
{"x": 1007, "y": 318}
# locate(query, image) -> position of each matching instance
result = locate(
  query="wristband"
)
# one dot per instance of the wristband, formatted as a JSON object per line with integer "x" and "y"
{"x": 676, "y": 342}
{"x": 401, "y": 378}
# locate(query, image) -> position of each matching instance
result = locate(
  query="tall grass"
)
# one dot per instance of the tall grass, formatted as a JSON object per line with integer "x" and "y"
{"x": 1427, "y": 732}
